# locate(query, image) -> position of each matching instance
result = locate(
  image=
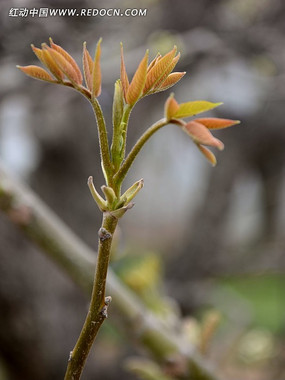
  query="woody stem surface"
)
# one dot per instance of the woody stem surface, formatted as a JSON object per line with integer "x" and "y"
{"x": 97, "y": 312}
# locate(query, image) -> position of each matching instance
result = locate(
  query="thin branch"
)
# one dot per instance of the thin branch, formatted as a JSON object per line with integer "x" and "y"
{"x": 45, "y": 229}
{"x": 103, "y": 139}
{"x": 98, "y": 307}
{"x": 120, "y": 175}
{"x": 118, "y": 147}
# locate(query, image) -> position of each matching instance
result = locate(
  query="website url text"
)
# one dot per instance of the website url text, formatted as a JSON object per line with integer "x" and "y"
{"x": 74, "y": 12}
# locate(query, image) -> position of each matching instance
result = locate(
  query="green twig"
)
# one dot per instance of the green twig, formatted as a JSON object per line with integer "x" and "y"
{"x": 103, "y": 140}
{"x": 102, "y": 130}
{"x": 97, "y": 312}
{"x": 118, "y": 148}
{"x": 120, "y": 175}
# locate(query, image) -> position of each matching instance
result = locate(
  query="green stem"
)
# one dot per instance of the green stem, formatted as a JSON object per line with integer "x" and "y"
{"x": 97, "y": 312}
{"x": 120, "y": 175}
{"x": 118, "y": 148}
{"x": 106, "y": 163}
{"x": 103, "y": 141}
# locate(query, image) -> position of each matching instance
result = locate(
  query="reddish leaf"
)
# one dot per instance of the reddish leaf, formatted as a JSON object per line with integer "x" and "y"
{"x": 217, "y": 123}
{"x": 138, "y": 82}
{"x": 63, "y": 64}
{"x": 171, "y": 80}
{"x": 171, "y": 107}
{"x": 201, "y": 135}
{"x": 153, "y": 62}
{"x": 51, "y": 64}
{"x": 87, "y": 67}
{"x": 39, "y": 53}
{"x": 158, "y": 70}
{"x": 69, "y": 59}
{"x": 208, "y": 154}
{"x": 36, "y": 72}
{"x": 96, "y": 73}
{"x": 167, "y": 71}
{"x": 124, "y": 75}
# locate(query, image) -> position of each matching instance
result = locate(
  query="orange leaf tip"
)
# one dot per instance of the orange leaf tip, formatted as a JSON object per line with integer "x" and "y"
{"x": 153, "y": 62}
{"x": 124, "y": 75}
{"x": 36, "y": 72}
{"x": 171, "y": 80}
{"x": 166, "y": 73}
{"x": 96, "y": 72}
{"x": 69, "y": 59}
{"x": 171, "y": 107}
{"x": 217, "y": 123}
{"x": 158, "y": 71}
{"x": 63, "y": 64}
{"x": 49, "y": 62}
{"x": 87, "y": 67}
{"x": 137, "y": 84}
{"x": 38, "y": 52}
{"x": 201, "y": 135}
{"x": 208, "y": 154}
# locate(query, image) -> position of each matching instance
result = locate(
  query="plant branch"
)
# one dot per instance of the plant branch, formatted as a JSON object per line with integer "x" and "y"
{"x": 120, "y": 175}
{"x": 124, "y": 126}
{"x": 102, "y": 130}
{"x": 76, "y": 259}
{"x": 97, "y": 312}
{"x": 118, "y": 148}
{"x": 103, "y": 140}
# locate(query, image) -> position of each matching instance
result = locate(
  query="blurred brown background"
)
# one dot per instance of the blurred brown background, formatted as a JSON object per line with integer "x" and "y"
{"x": 218, "y": 233}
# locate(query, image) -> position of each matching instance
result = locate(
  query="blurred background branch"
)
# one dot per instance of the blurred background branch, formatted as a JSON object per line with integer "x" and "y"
{"x": 44, "y": 229}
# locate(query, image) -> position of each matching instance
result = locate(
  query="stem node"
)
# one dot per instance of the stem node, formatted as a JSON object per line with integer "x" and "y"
{"x": 104, "y": 311}
{"x": 104, "y": 234}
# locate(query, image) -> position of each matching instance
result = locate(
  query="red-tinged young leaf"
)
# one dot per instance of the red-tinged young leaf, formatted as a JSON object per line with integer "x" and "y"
{"x": 87, "y": 67}
{"x": 96, "y": 73}
{"x": 171, "y": 107}
{"x": 217, "y": 123}
{"x": 36, "y": 72}
{"x": 153, "y": 62}
{"x": 124, "y": 75}
{"x": 167, "y": 71}
{"x": 193, "y": 108}
{"x": 51, "y": 64}
{"x": 171, "y": 80}
{"x": 208, "y": 154}
{"x": 201, "y": 135}
{"x": 69, "y": 59}
{"x": 39, "y": 53}
{"x": 157, "y": 71}
{"x": 63, "y": 64}
{"x": 137, "y": 84}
